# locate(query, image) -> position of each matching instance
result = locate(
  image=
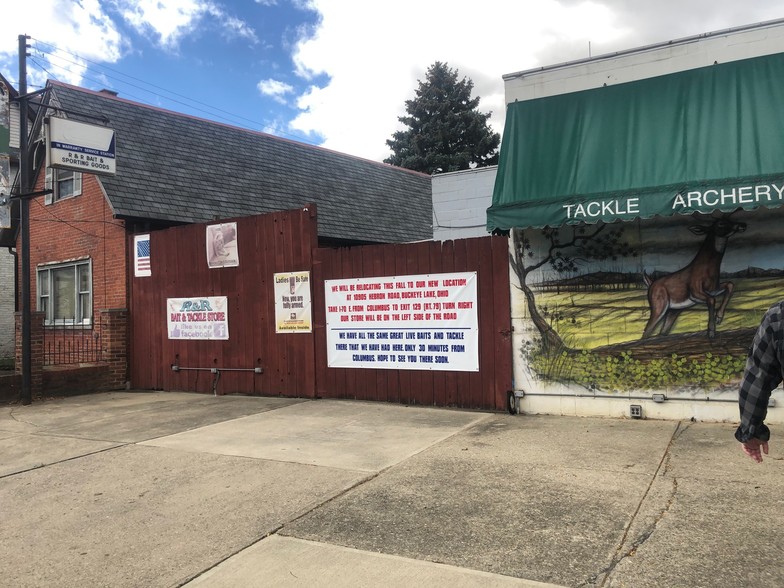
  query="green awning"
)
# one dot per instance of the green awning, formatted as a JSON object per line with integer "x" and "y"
{"x": 695, "y": 141}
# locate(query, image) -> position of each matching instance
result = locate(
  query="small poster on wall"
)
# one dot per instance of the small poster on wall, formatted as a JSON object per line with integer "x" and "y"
{"x": 198, "y": 318}
{"x": 141, "y": 252}
{"x": 292, "y": 303}
{"x": 222, "y": 245}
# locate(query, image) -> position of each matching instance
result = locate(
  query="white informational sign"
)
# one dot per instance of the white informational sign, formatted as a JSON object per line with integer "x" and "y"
{"x": 198, "y": 318}
{"x": 80, "y": 146}
{"x": 221, "y": 243}
{"x": 422, "y": 322}
{"x": 292, "y": 303}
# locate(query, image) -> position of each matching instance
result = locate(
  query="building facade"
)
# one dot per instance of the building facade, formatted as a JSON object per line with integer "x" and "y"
{"x": 642, "y": 192}
{"x": 172, "y": 170}
{"x": 460, "y": 203}
{"x": 7, "y": 308}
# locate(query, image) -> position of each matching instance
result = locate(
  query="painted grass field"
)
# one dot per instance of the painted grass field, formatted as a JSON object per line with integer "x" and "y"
{"x": 587, "y": 320}
{"x": 602, "y": 332}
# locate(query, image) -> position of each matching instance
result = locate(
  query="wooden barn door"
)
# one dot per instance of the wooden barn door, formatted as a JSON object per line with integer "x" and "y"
{"x": 486, "y": 388}
{"x": 266, "y": 244}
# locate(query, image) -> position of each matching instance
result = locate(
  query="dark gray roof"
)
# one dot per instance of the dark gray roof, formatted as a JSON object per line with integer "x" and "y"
{"x": 174, "y": 167}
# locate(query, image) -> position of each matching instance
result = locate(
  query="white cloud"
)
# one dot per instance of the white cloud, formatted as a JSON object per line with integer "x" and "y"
{"x": 170, "y": 20}
{"x": 374, "y": 53}
{"x": 275, "y": 89}
{"x": 361, "y": 61}
{"x": 66, "y": 34}
{"x": 82, "y": 27}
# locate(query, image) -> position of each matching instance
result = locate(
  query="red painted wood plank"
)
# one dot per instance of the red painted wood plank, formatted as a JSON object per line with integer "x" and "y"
{"x": 448, "y": 255}
{"x": 423, "y": 384}
{"x": 462, "y": 379}
{"x": 475, "y": 393}
{"x": 503, "y": 321}
{"x": 439, "y": 377}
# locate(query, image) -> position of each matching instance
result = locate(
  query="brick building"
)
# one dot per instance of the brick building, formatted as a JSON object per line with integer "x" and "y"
{"x": 174, "y": 169}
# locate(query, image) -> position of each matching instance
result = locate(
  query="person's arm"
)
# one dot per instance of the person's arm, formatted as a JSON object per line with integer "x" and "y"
{"x": 761, "y": 376}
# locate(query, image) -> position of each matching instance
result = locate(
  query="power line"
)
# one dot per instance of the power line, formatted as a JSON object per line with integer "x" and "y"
{"x": 98, "y": 81}
{"x": 188, "y": 102}
{"x": 70, "y": 223}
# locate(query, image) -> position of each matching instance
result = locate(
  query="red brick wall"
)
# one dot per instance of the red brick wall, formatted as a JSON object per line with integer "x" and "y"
{"x": 60, "y": 381}
{"x": 36, "y": 348}
{"x": 80, "y": 227}
{"x": 111, "y": 374}
{"x": 114, "y": 324}
{"x": 68, "y": 380}
{"x": 10, "y": 387}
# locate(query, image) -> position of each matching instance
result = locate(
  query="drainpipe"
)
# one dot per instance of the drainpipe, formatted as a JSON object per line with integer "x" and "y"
{"x": 12, "y": 251}
{"x": 24, "y": 224}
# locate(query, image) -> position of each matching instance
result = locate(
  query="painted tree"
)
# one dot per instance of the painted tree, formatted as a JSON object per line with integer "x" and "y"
{"x": 567, "y": 248}
{"x": 445, "y": 131}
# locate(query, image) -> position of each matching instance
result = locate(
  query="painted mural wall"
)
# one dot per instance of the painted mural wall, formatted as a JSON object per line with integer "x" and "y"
{"x": 667, "y": 305}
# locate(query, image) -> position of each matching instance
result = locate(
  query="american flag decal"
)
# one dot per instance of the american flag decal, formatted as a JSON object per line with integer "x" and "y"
{"x": 142, "y": 256}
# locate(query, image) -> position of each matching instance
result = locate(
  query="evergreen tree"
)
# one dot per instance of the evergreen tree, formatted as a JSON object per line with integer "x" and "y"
{"x": 445, "y": 131}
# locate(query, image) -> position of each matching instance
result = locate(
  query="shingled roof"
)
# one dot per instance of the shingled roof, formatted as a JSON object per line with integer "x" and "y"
{"x": 177, "y": 168}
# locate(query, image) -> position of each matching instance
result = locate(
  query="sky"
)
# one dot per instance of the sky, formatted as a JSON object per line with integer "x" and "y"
{"x": 334, "y": 73}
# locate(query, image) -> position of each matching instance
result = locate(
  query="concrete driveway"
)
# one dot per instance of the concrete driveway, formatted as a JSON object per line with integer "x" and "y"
{"x": 169, "y": 489}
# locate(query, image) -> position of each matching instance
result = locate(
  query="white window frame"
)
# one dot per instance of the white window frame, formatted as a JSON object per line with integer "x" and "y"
{"x": 55, "y": 179}
{"x": 82, "y": 296}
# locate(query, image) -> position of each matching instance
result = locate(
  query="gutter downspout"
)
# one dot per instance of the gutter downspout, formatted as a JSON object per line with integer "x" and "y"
{"x": 12, "y": 251}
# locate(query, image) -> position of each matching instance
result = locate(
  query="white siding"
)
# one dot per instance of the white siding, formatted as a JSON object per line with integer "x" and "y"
{"x": 646, "y": 62}
{"x": 553, "y": 397}
{"x": 6, "y": 304}
{"x": 460, "y": 203}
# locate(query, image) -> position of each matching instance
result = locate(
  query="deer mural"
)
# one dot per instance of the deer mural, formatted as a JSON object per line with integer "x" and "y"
{"x": 697, "y": 283}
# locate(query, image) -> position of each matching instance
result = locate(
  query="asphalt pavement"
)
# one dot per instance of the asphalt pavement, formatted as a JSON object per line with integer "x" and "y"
{"x": 175, "y": 489}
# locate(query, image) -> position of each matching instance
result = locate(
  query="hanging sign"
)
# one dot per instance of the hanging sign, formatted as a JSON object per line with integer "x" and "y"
{"x": 80, "y": 146}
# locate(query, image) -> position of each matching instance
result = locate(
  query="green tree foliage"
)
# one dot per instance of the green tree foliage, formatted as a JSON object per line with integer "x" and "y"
{"x": 445, "y": 130}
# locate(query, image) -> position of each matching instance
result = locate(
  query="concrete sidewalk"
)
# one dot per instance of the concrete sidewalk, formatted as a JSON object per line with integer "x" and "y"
{"x": 167, "y": 489}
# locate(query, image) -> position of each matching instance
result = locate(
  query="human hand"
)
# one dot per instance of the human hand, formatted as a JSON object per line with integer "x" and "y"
{"x": 754, "y": 448}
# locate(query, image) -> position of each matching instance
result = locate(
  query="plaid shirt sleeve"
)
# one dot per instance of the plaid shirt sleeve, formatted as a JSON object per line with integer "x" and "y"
{"x": 762, "y": 374}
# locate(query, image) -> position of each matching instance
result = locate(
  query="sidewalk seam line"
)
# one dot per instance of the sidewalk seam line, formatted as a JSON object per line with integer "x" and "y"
{"x": 67, "y": 459}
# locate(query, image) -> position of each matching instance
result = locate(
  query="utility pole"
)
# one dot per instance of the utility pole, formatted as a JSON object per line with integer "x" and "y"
{"x": 24, "y": 207}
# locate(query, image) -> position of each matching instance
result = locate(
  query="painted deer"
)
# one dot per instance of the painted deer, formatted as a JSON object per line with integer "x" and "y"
{"x": 697, "y": 283}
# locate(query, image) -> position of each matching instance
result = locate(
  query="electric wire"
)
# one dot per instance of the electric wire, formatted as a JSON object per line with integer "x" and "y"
{"x": 98, "y": 69}
{"x": 72, "y": 223}
{"x": 440, "y": 226}
{"x": 127, "y": 94}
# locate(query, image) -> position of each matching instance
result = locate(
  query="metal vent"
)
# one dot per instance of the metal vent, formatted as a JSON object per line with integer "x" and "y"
{"x": 635, "y": 411}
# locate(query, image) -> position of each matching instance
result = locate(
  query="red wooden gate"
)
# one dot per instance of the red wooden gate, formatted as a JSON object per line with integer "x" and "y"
{"x": 295, "y": 364}
{"x": 270, "y": 243}
{"x": 487, "y": 388}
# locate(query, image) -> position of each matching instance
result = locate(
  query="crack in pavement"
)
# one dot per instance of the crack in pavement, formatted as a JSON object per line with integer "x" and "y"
{"x": 621, "y": 552}
{"x": 13, "y": 417}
